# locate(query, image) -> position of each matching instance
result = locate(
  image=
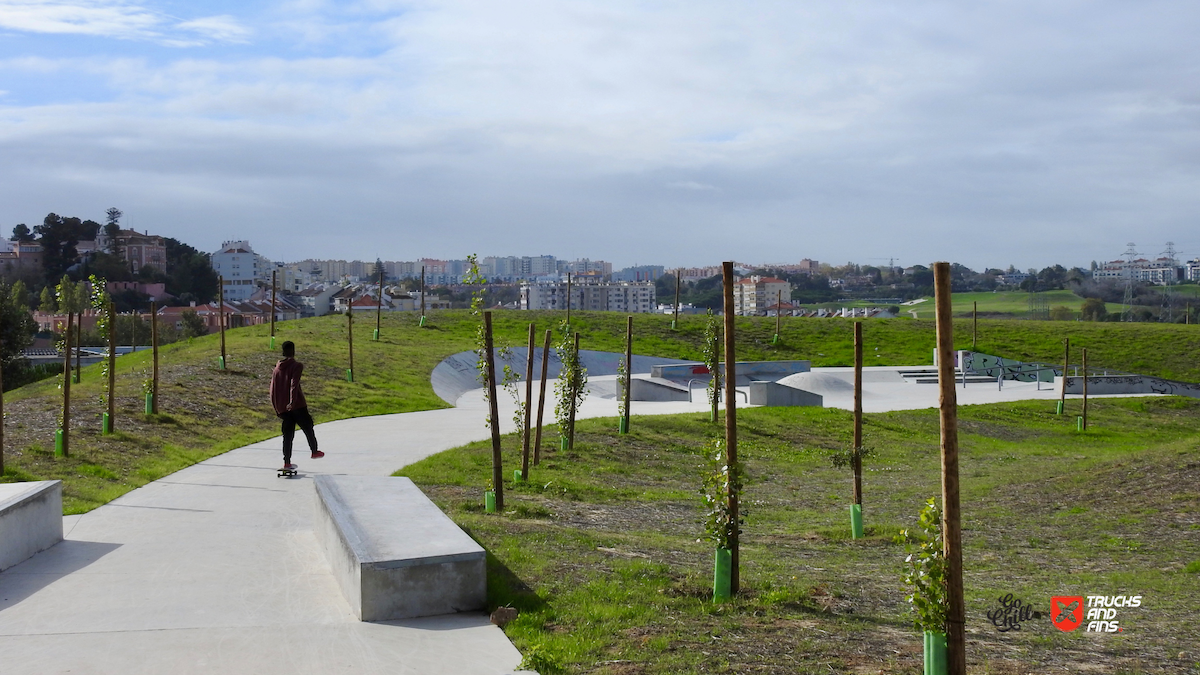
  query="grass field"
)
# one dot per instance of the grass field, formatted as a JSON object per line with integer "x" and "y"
{"x": 1006, "y": 304}
{"x": 205, "y": 411}
{"x": 601, "y": 553}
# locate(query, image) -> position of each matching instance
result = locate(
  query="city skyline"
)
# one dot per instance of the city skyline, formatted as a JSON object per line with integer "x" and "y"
{"x": 1021, "y": 134}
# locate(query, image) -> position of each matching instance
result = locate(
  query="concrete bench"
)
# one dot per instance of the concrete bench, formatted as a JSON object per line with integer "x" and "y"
{"x": 31, "y": 519}
{"x": 393, "y": 552}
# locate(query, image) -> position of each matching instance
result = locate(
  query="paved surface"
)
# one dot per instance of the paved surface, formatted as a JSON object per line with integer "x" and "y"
{"x": 215, "y": 569}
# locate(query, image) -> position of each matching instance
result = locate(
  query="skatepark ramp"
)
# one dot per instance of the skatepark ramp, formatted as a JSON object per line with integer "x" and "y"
{"x": 1127, "y": 384}
{"x": 456, "y": 374}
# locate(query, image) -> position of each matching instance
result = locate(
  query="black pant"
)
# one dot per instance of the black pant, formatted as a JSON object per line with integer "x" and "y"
{"x": 291, "y": 419}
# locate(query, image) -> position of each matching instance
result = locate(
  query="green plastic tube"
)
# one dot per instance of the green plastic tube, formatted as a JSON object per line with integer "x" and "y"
{"x": 422, "y": 322}
{"x": 272, "y": 342}
{"x": 722, "y": 563}
{"x": 517, "y": 476}
{"x": 856, "y": 528}
{"x": 562, "y": 443}
{"x": 149, "y": 403}
{"x": 58, "y": 443}
{"x": 623, "y": 426}
{"x": 489, "y": 501}
{"x": 1060, "y": 408}
{"x": 376, "y": 332}
{"x": 349, "y": 375}
{"x": 935, "y": 658}
{"x": 105, "y": 424}
{"x": 1078, "y": 424}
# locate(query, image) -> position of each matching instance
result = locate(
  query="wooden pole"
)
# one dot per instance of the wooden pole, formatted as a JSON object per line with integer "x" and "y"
{"x": 716, "y": 375}
{"x": 221, "y": 315}
{"x": 858, "y": 412}
{"x": 422, "y": 292}
{"x": 568, "y": 298}
{"x": 628, "y": 369}
{"x": 956, "y": 656}
{"x": 379, "y": 305}
{"x": 78, "y": 344}
{"x": 273, "y": 273}
{"x": 528, "y": 405}
{"x": 66, "y": 415}
{"x": 675, "y": 321}
{"x": 1062, "y": 398}
{"x": 574, "y": 388}
{"x": 731, "y": 427}
{"x": 350, "y": 336}
{"x": 1085, "y": 383}
{"x": 778, "y": 312}
{"x": 154, "y": 367}
{"x": 112, "y": 367}
{"x": 541, "y": 399}
{"x": 493, "y": 412}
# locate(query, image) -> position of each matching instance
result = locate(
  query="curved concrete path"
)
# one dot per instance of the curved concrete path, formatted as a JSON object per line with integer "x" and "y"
{"x": 215, "y": 569}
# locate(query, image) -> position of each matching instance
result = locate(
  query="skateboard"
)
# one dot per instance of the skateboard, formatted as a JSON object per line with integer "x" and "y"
{"x": 286, "y": 473}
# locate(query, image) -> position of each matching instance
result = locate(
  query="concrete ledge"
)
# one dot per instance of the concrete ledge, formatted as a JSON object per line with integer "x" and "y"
{"x": 746, "y": 370}
{"x": 775, "y": 394}
{"x": 1127, "y": 384}
{"x": 657, "y": 389}
{"x": 31, "y": 519}
{"x": 394, "y": 553}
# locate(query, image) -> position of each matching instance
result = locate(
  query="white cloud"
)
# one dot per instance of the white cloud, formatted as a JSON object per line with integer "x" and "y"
{"x": 117, "y": 19}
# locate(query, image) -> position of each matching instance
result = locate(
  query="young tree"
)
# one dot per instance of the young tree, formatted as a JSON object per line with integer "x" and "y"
{"x": 16, "y": 332}
{"x": 112, "y": 228}
{"x": 46, "y": 302}
{"x": 193, "y": 325}
{"x": 20, "y": 295}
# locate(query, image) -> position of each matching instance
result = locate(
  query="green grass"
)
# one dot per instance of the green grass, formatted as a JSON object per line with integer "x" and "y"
{"x": 609, "y": 575}
{"x": 206, "y": 411}
{"x": 1014, "y": 304}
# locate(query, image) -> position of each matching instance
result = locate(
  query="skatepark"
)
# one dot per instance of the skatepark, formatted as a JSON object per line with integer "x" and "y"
{"x": 218, "y": 567}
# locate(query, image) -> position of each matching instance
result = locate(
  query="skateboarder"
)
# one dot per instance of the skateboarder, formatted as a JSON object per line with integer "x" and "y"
{"x": 290, "y": 406}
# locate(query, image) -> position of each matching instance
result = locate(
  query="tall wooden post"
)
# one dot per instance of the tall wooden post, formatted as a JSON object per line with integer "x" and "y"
{"x": 628, "y": 372}
{"x": 379, "y": 305}
{"x": 574, "y": 388}
{"x": 1085, "y": 383}
{"x": 528, "y": 405}
{"x": 221, "y": 315}
{"x": 731, "y": 460}
{"x": 78, "y": 344}
{"x": 675, "y": 321}
{"x": 273, "y": 287}
{"x": 716, "y": 375}
{"x": 974, "y": 323}
{"x": 568, "y": 298}
{"x": 778, "y": 313}
{"x": 154, "y": 366}
{"x": 350, "y": 339}
{"x": 66, "y": 411}
{"x": 422, "y": 295}
{"x": 1, "y": 412}
{"x": 112, "y": 367}
{"x": 537, "y": 443}
{"x": 1062, "y": 397}
{"x": 951, "y": 533}
{"x": 493, "y": 412}
{"x": 858, "y": 412}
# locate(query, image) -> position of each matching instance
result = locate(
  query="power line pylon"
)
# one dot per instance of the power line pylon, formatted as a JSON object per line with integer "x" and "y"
{"x": 1131, "y": 254}
{"x": 1166, "y": 314}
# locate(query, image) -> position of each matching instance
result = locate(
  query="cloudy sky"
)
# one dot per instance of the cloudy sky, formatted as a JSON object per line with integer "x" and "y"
{"x": 989, "y": 133}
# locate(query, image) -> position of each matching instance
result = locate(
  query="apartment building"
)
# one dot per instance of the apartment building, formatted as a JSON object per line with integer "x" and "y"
{"x": 754, "y": 294}
{"x": 241, "y": 270}
{"x": 592, "y": 295}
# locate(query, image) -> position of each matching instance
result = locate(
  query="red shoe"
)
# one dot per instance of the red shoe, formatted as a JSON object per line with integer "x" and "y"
{"x": 317, "y": 454}
{"x": 289, "y": 467}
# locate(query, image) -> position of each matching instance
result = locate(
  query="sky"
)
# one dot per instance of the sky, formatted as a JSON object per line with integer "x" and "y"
{"x": 988, "y": 133}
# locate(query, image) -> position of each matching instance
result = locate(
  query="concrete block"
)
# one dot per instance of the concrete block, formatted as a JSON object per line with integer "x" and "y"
{"x": 31, "y": 519}
{"x": 653, "y": 389}
{"x": 775, "y": 394}
{"x": 393, "y": 552}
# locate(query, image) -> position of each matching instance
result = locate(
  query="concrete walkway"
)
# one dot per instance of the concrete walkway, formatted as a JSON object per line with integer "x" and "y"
{"x": 215, "y": 569}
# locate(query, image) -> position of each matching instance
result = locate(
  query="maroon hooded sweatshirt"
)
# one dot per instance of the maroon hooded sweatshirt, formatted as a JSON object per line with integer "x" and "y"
{"x": 285, "y": 386}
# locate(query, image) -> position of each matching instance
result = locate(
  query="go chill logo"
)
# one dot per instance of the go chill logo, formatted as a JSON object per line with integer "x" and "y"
{"x": 1067, "y": 611}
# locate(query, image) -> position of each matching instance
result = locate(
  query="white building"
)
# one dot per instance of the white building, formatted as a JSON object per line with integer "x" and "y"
{"x": 241, "y": 270}
{"x": 753, "y": 295}
{"x": 594, "y": 296}
{"x": 1160, "y": 271}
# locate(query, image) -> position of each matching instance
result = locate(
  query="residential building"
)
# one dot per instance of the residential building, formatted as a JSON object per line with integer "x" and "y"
{"x": 585, "y": 266}
{"x": 697, "y": 273}
{"x": 1160, "y": 271}
{"x": 752, "y": 295}
{"x": 592, "y": 294}
{"x": 241, "y": 270}
{"x": 639, "y": 273}
{"x": 17, "y": 257}
{"x": 137, "y": 248}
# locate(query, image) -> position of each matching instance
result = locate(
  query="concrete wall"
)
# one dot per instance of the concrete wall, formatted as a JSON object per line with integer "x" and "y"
{"x": 1127, "y": 384}
{"x": 30, "y": 519}
{"x": 746, "y": 370}
{"x": 393, "y": 552}
{"x": 775, "y": 394}
{"x": 641, "y": 389}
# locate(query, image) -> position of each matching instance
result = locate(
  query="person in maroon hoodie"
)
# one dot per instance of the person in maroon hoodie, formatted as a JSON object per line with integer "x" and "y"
{"x": 288, "y": 401}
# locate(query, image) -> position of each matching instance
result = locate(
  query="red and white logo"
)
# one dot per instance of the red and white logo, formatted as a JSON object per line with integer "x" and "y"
{"x": 1066, "y": 612}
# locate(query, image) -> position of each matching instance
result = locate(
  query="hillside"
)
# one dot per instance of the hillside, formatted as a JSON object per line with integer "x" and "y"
{"x": 205, "y": 411}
